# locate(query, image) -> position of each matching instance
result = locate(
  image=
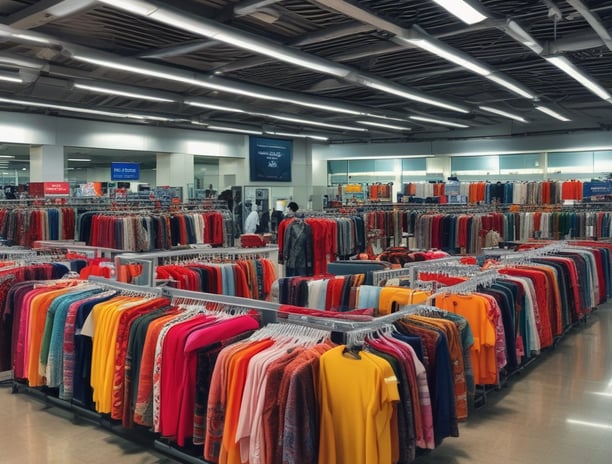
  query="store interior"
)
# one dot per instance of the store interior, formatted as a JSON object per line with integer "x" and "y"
{"x": 305, "y": 231}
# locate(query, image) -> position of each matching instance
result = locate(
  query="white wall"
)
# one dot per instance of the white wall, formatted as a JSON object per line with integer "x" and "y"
{"x": 34, "y": 129}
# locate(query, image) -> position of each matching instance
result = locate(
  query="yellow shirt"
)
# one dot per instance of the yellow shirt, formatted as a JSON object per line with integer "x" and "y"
{"x": 357, "y": 404}
{"x": 401, "y": 296}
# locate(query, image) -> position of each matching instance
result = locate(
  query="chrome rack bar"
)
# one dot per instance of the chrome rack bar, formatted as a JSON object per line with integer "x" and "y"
{"x": 407, "y": 270}
{"x": 120, "y": 286}
{"x": 268, "y": 310}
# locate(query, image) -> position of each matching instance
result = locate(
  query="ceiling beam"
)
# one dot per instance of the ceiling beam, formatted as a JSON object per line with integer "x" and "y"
{"x": 251, "y": 6}
{"x": 594, "y": 21}
{"x": 46, "y": 11}
{"x": 322, "y": 35}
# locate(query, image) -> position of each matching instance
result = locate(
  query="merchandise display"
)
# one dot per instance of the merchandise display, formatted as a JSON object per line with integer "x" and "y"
{"x": 306, "y": 232}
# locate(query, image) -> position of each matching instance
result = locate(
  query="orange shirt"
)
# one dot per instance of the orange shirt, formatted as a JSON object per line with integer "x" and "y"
{"x": 474, "y": 309}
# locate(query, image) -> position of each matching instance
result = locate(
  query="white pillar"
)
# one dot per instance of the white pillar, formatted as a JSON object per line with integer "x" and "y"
{"x": 46, "y": 163}
{"x": 175, "y": 170}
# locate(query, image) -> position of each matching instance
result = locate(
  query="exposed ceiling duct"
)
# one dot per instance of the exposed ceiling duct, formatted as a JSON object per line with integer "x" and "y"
{"x": 279, "y": 66}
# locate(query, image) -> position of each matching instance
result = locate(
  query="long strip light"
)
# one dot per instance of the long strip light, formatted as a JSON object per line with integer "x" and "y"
{"x": 269, "y": 115}
{"x": 121, "y": 93}
{"x": 237, "y": 39}
{"x": 214, "y": 107}
{"x": 75, "y": 109}
{"x": 411, "y": 96}
{"x": 449, "y": 55}
{"x": 506, "y": 114}
{"x": 31, "y": 38}
{"x": 510, "y": 86}
{"x": 462, "y": 10}
{"x": 84, "y": 160}
{"x": 439, "y": 121}
{"x": 385, "y": 126}
{"x": 553, "y": 113}
{"x": 301, "y": 136}
{"x": 568, "y": 67}
{"x": 234, "y": 129}
{"x": 312, "y": 123}
{"x": 202, "y": 83}
{"x": 10, "y": 78}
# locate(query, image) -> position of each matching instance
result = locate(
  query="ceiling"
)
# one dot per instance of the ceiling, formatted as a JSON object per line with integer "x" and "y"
{"x": 329, "y": 68}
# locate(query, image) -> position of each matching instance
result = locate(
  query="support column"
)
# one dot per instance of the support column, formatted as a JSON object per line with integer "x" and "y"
{"x": 175, "y": 170}
{"x": 46, "y": 163}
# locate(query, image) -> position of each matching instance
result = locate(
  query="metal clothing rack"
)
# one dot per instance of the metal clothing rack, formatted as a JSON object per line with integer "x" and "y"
{"x": 409, "y": 269}
{"x": 71, "y": 245}
{"x": 150, "y": 261}
{"x": 127, "y": 288}
{"x": 268, "y": 310}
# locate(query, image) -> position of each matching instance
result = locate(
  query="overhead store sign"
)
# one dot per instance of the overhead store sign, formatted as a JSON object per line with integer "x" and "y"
{"x": 125, "y": 171}
{"x": 270, "y": 159}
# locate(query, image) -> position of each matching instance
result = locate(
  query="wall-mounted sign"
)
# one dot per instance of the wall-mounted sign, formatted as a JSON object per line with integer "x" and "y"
{"x": 270, "y": 159}
{"x": 125, "y": 171}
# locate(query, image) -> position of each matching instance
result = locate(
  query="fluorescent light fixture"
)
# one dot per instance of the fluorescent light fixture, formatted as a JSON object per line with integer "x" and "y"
{"x": 311, "y": 122}
{"x": 379, "y": 116}
{"x": 31, "y": 38}
{"x": 607, "y": 394}
{"x": 598, "y": 425}
{"x": 506, "y": 114}
{"x": 237, "y": 39}
{"x": 439, "y": 121}
{"x": 520, "y": 34}
{"x": 213, "y": 107}
{"x": 510, "y": 86}
{"x": 79, "y": 159}
{"x": 554, "y": 114}
{"x": 75, "y": 109}
{"x": 7, "y": 156}
{"x": 234, "y": 129}
{"x": 249, "y": 45}
{"x": 449, "y": 55}
{"x": 171, "y": 77}
{"x": 337, "y": 109}
{"x": 243, "y": 41}
{"x": 7, "y": 77}
{"x": 411, "y": 96}
{"x": 145, "y": 71}
{"x": 568, "y": 67}
{"x": 386, "y": 126}
{"x": 462, "y": 10}
{"x": 121, "y": 93}
{"x": 301, "y": 136}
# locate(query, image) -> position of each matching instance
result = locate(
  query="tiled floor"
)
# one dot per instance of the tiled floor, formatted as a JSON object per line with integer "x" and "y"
{"x": 559, "y": 412}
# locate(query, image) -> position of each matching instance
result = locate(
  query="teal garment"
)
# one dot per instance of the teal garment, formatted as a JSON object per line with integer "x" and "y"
{"x": 51, "y": 354}
{"x": 368, "y": 297}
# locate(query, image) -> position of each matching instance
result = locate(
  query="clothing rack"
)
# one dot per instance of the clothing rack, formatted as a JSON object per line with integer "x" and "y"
{"x": 71, "y": 245}
{"x": 408, "y": 269}
{"x": 533, "y": 253}
{"x": 150, "y": 261}
{"x": 127, "y": 288}
{"x": 268, "y": 310}
{"x": 471, "y": 285}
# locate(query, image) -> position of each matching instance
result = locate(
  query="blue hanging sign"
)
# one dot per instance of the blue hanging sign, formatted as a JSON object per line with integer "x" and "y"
{"x": 125, "y": 171}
